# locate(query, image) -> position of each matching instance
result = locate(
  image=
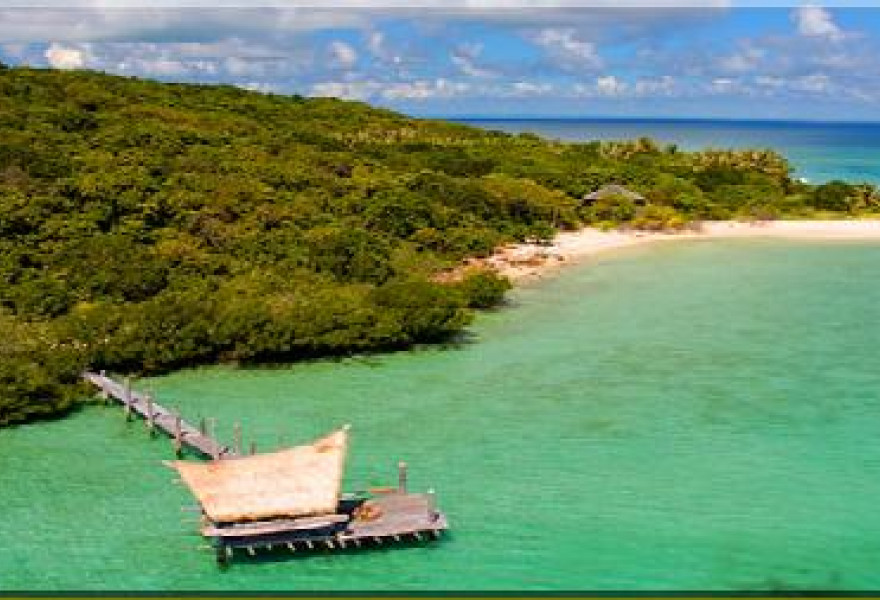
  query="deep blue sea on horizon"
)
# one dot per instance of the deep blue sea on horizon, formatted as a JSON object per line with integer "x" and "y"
{"x": 818, "y": 151}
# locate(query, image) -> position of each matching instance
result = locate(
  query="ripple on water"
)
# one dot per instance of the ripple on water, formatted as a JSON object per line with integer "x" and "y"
{"x": 691, "y": 416}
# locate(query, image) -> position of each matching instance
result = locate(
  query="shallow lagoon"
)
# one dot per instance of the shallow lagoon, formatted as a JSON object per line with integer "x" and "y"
{"x": 696, "y": 415}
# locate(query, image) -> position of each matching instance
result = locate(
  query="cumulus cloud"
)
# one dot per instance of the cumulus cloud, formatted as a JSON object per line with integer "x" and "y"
{"x": 169, "y": 24}
{"x": 343, "y": 54}
{"x": 425, "y": 89}
{"x": 815, "y": 21}
{"x": 400, "y": 54}
{"x": 723, "y": 85}
{"x": 418, "y": 90}
{"x": 230, "y": 61}
{"x": 610, "y": 85}
{"x": 563, "y": 44}
{"x": 660, "y": 86}
{"x": 451, "y": 5}
{"x": 347, "y": 90}
{"x": 529, "y": 88}
{"x": 65, "y": 57}
{"x": 746, "y": 59}
{"x": 465, "y": 56}
{"x": 815, "y": 83}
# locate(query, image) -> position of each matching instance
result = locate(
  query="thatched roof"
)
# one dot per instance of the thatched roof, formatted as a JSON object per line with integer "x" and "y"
{"x": 296, "y": 482}
{"x": 608, "y": 191}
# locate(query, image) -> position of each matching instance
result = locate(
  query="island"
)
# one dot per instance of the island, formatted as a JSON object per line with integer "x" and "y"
{"x": 149, "y": 226}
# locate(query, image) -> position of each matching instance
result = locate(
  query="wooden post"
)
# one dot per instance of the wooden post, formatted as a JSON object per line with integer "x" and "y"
{"x": 178, "y": 435}
{"x": 105, "y": 395}
{"x": 151, "y": 425}
{"x": 222, "y": 555}
{"x": 236, "y": 437}
{"x": 253, "y": 448}
{"x": 126, "y": 397}
{"x": 212, "y": 423}
{"x": 401, "y": 477}
{"x": 432, "y": 505}
{"x": 203, "y": 427}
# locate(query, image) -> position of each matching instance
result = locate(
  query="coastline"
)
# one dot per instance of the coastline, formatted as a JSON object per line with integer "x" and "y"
{"x": 526, "y": 262}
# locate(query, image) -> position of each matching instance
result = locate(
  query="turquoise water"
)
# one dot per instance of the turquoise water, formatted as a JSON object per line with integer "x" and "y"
{"x": 818, "y": 151}
{"x": 689, "y": 416}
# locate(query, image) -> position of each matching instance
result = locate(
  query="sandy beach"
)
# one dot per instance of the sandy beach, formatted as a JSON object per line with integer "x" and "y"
{"x": 525, "y": 262}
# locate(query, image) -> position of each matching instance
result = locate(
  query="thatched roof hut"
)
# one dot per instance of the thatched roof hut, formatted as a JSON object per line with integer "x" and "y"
{"x": 296, "y": 482}
{"x": 613, "y": 191}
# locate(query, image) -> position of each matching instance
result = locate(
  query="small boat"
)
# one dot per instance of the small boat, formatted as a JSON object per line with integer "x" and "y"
{"x": 292, "y": 499}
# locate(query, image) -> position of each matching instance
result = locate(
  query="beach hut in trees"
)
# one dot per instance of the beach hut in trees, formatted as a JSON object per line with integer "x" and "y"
{"x": 613, "y": 190}
{"x": 292, "y": 500}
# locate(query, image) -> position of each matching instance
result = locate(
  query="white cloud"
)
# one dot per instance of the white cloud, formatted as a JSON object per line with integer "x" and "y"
{"x": 723, "y": 85}
{"x": 348, "y": 90}
{"x": 563, "y": 44}
{"x": 97, "y": 23}
{"x": 662, "y": 86}
{"x": 815, "y": 83}
{"x": 65, "y": 57}
{"x": 223, "y": 60}
{"x": 343, "y": 54}
{"x": 527, "y": 88}
{"x": 465, "y": 56}
{"x": 815, "y": 21}
{"x": 609, "y": 85}
{"x": 766, "y": 81}
{"x": 376, "y": 44}
{"x": 746, "y": 59}
{"x": 420, "y": 89}
{"x": 259, "y": 86}
{"x": 453, "y": 5}
{"x": 424, "y": 89}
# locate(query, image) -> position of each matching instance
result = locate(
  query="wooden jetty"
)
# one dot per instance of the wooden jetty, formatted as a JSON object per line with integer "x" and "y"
{"x": 395, "y": 517}
{"x": 159, "y": 417}
{"x": 288, "y": 499}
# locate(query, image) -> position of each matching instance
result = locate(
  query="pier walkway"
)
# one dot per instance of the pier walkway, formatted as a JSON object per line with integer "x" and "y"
{"x": 159, "y": 417}
{"x": 394, "y": 514}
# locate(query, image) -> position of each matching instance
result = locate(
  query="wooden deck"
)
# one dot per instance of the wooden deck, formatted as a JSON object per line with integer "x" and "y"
{"x": 404, "y": 517}
{"x": 162, "y": 419}
{"x": 399, "y": 515}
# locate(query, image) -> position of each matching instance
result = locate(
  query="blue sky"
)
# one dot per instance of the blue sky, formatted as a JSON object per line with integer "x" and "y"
{"x": 484, "y": 57}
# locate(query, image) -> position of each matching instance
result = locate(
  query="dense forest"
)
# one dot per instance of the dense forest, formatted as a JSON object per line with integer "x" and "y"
{"x": 146, "y": 226}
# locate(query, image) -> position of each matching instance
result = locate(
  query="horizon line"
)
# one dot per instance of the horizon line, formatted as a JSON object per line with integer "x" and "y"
{"x": 733, "y": 119}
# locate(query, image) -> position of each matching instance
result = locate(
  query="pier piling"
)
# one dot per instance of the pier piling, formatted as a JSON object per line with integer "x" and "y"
{"x": 401, "y": 477}
{"x": 159, "y": 418}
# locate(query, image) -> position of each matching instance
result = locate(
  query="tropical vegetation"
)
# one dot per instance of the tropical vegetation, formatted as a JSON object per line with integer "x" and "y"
{"x": 148, "y": 226}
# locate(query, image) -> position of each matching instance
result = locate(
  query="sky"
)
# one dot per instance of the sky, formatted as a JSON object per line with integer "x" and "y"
{"x": 492, "y": 58}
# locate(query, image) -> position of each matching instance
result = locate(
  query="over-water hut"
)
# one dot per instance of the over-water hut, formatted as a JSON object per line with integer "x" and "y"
{"x": 292, "y": 498}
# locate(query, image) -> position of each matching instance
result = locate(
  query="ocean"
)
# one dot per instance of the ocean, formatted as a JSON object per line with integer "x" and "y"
{"x": 645, "y": 421}
{"x": 818, "y": 151}
{"x": 688, "y": 416}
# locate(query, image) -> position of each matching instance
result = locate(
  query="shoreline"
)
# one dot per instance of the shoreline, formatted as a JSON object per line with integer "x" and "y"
{"x": 526, "y": 262}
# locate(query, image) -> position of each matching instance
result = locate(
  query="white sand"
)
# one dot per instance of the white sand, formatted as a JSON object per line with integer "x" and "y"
{"x": 523, "y": 262}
